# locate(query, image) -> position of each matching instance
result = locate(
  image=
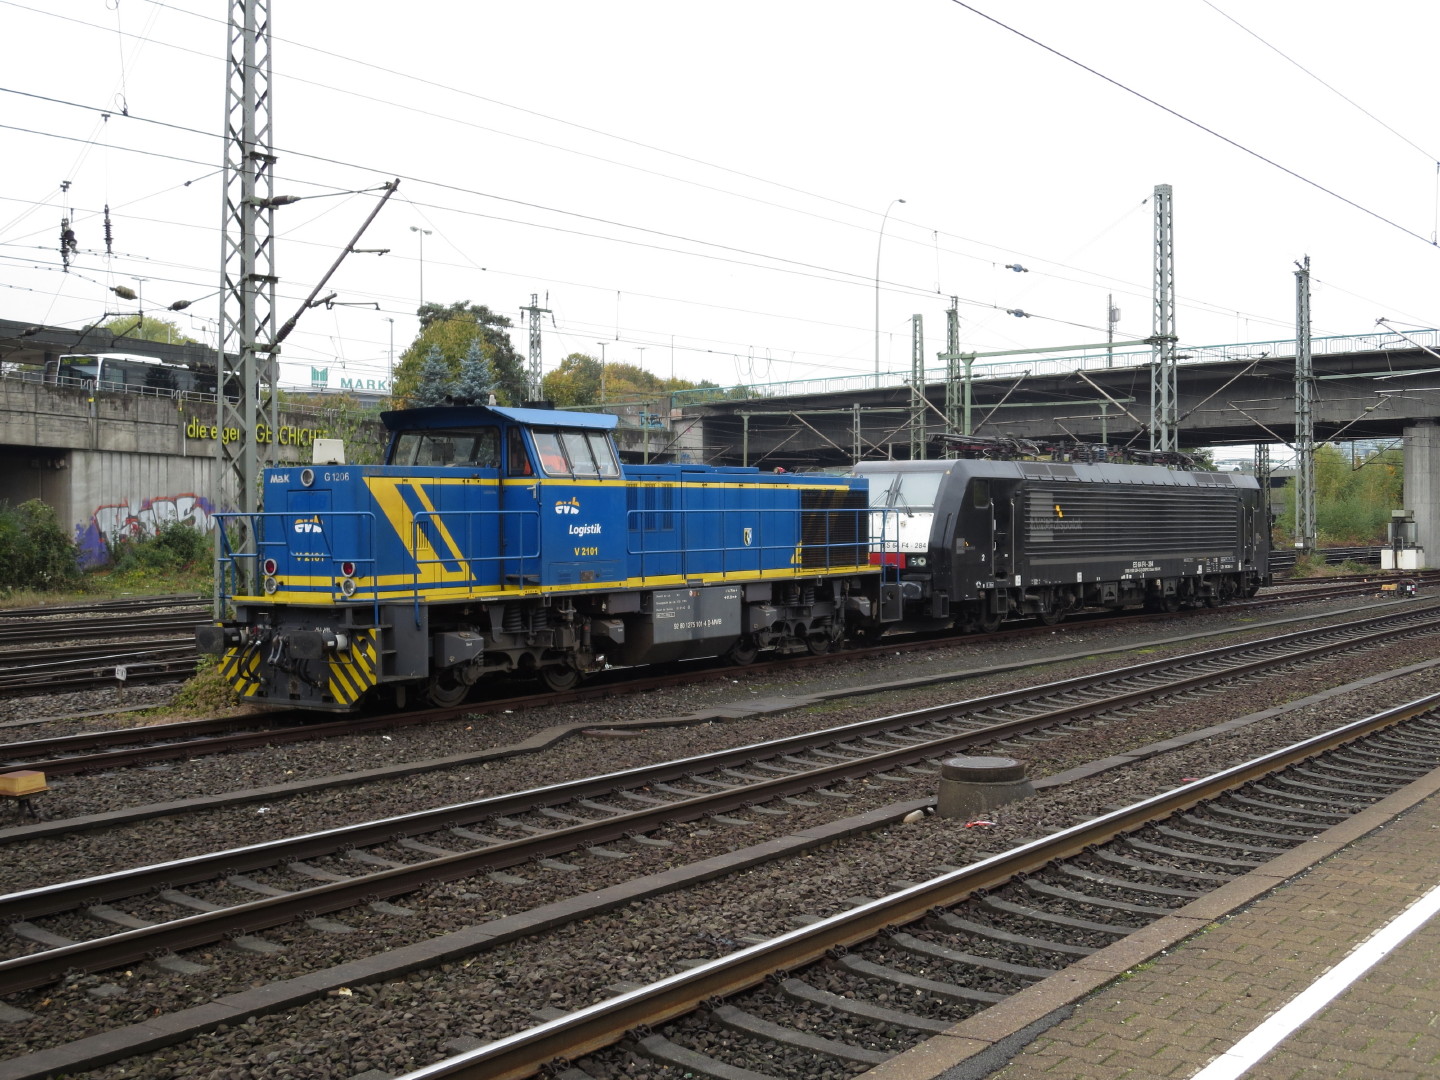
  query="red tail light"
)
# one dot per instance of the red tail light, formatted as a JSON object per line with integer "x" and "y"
{"x": 347, "y": 569}
{"x": 270, "y": 567}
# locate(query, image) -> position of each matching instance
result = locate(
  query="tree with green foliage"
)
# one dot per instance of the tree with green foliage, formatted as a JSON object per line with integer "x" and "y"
{"x": 1352, "y": 501}
{"x": 580, "y": 381}
{"x": 576, "y": 382}
{"x": 35, "y": 552}
{"x": 148, "y": 329}
{"x": 452, "y": 328}
{"x": 432, "y": 384}
{"x": 475, "y": 384}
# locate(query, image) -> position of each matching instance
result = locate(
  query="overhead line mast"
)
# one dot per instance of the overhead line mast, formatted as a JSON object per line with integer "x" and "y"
{"x": 1163, "y": 376}
{"x": 1305, "y": 538}
{"x": 534, "y": 374}
{"x": 245, "y": 384}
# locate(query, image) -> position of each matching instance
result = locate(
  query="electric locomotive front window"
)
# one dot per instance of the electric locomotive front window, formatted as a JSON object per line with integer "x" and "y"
{"x": 907, "y": 491}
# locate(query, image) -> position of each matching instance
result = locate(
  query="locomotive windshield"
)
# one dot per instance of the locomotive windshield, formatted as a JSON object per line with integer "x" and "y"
{"x": 908, "y": 491}
{"x": 575, "y": 453}
{"x": 477, "y": 446}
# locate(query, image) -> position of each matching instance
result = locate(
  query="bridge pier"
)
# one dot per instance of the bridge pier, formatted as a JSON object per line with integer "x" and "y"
{"x": 1422, "y": 487}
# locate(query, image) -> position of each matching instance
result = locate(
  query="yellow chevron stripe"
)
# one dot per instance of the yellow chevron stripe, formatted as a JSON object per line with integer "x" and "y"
{"x": 349, "y": 679}
{"x": 386, "y": 492}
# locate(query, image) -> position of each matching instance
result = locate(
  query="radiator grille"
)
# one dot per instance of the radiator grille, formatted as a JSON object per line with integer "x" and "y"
{"x": 834, "y": 529}
{"x": 1131, "y": 522}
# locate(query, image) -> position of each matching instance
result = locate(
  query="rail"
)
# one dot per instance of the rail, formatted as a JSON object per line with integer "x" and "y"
{"x": 572, "y": 1035}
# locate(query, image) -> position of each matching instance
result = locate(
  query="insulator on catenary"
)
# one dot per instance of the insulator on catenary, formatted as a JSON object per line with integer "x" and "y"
{"x": 109, "y": 233}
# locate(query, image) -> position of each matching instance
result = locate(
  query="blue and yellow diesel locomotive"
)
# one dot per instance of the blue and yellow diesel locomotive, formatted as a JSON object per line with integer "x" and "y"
{"x": 513, "y": 541}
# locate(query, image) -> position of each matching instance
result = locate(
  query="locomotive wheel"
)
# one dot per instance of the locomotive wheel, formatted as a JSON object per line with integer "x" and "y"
{"x": 742, "y": 652}
{"x": 559, "y": 678}
{"x": 988, "y": 622}
{"x": 1050, "y": 618}
{"x": 1212, "y": 600}
{"x": 818, "y": 643}
{"x": 444, "y": 694}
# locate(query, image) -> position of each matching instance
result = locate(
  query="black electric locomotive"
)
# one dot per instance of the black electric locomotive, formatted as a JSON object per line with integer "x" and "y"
{"x": 977, "y": 541}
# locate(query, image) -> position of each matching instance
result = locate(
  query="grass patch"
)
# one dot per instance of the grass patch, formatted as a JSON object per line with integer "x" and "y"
{"x": 206, "y": 691}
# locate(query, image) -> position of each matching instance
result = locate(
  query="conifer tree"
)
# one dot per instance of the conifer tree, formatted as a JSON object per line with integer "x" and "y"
{"x": 434, "y": 382}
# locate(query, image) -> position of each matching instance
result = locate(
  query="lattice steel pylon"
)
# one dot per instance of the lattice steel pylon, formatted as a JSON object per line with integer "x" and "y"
{"x": 534, "y": 373}
{"x": 1304, "y": 415}
{"x": 245, "y": 399}
{"x": 957, "y": 385}
{"x": 917, "y": 388}
{"x": 1163, "y": 381}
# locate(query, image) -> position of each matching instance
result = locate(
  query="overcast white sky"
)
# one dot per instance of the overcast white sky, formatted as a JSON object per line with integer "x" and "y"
{"x": 702, "y": 186}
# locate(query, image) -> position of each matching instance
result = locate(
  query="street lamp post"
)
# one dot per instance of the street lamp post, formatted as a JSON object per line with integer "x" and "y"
{"x": 390, "y": 379}
{"x": 423, "y": 233}
{"x": 879, "y": 241}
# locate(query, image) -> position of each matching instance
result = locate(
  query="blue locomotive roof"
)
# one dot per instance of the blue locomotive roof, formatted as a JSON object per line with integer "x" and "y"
{"x": 449, "y": 416}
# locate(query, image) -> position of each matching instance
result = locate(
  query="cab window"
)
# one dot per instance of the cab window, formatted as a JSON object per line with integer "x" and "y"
{"x": 577, "y": 449}
{"x": 517, "y": 460}
{"x": 575, "y": 453}
{"x": 477, "y": 447}
{"x": 604, "y": 454}
{"x": 552, "y": 458}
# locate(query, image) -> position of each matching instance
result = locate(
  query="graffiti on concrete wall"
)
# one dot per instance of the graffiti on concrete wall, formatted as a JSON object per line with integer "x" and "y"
{"x": 145, "y": 517}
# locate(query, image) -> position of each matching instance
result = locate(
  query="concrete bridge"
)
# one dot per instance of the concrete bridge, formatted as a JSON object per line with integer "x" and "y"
{"x": 1367, "y": 388}
{"x": 1379, "y": 387}
{"x": 115, "y": 463}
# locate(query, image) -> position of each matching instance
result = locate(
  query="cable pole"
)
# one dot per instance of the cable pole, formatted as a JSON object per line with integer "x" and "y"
{"x": 245, "y": 384}
{"x": 957, "y": 386}
{"x": 1163, "y": 377}
{"x": 918, "y": 403}
{"x": 1304, "y": 415}
{"x": 533, "y": 372}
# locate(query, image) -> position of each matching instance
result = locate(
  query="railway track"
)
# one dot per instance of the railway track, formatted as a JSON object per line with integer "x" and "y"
{"x": 973, "y": 936}
{"x": 89, "y": 751}
{"x": 503, "y": 832}
{"x": 45, "y": 651}
{"x": 172, "y": 658}
{"x": 124, "y": 605}
{"x": 851, "y": 978}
